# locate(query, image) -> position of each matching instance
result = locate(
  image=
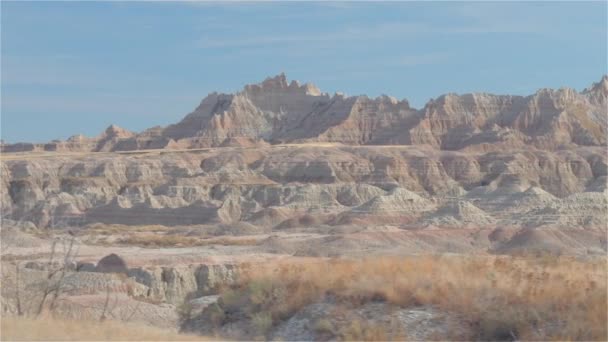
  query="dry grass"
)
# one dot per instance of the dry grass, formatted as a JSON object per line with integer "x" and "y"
{"x": 23, "y": 329}
{"x": 159, "y": 240}
{"x": 166, "y": 240}
{"x": 530, "y": 298}
{"x": 359, "y": 330}
{"x": 156, "y": 236}
{"x": 117, "y": 229}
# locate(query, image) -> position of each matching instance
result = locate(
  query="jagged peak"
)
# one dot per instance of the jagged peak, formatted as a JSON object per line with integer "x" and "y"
{"x": 559, "y": 90}
{"x": 116, "y": 131}
{"x": 600, "y": 86}
{"x": 280, "y": 83}
{"x": 212, "y": 98}
{"x": 388, "y": 98}
{"x": 556, "y": 95}
{"x": 112, "y": 129}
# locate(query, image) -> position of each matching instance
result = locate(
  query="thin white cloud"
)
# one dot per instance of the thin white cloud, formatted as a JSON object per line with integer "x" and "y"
{"x": 475, "y": 18}
{"x": 385, "y": 31}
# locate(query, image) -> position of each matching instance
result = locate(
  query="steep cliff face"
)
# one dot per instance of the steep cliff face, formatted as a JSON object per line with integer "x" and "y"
{"x": 278, "y": 111}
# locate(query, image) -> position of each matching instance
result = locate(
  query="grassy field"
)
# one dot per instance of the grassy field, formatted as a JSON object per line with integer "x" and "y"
{"x": 525, "y": 298}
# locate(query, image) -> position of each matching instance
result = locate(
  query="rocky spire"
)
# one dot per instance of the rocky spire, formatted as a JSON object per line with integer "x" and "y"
{"x": 601, "y": 86}
{"x": 598, "y": 92}
{"x": 279, "y": 83}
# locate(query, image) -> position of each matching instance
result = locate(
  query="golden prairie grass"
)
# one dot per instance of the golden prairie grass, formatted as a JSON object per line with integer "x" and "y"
{"x": 529, "y": 298}
{"x": 48, "y": 329}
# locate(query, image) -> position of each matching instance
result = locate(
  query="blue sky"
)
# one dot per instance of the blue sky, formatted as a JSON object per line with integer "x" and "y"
{"x": 76, "y": 67}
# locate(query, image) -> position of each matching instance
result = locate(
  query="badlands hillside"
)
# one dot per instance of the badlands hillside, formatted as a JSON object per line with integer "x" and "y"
{"x": 279, "y": 155}
{"x": 277, "y": 111}
{"x": 249, "y": 218}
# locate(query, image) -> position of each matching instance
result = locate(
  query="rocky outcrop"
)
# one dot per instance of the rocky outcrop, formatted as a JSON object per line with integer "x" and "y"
{"x": 178, "y": 283}
{"x": 167, "y": 284}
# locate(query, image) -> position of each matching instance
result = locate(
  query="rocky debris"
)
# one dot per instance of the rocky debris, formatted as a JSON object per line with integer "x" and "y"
{"x": 111, "y": 263}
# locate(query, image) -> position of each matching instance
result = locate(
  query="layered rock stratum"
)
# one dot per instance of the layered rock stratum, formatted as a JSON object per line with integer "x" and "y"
{"x": 281, "y": 155}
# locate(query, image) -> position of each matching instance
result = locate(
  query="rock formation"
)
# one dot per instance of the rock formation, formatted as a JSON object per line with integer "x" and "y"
{"x": 278, "y": 111}
{"x": 275, "y": 186}
{"x": 462, "y": 160}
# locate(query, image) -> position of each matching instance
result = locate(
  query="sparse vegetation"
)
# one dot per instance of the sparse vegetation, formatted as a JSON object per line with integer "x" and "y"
{"x": 262, "y": 322}
{"x": 155, "y": 236}
{"x": 113, "y": 229}
{"x": 166, "y": 240}
{"x": 501, "y": 298}
{"x": 50, "y": 329}
{"x": 359, "y": 330}
{"x": 158, "y": 240}
{"x": 323, "y": 326}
